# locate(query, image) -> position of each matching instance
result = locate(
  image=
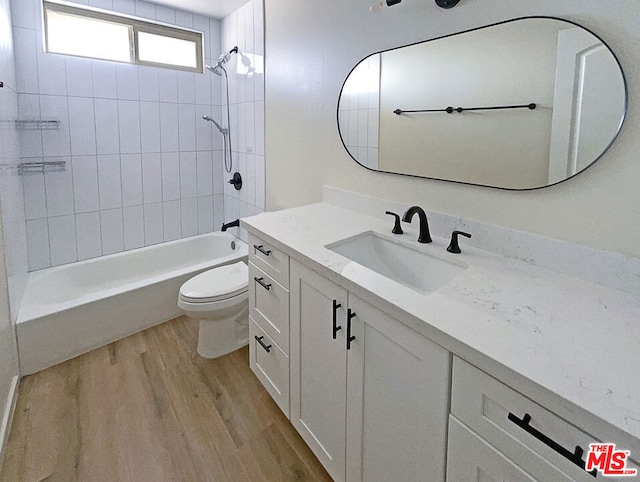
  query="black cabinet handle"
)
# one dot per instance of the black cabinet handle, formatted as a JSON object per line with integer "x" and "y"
{"x": 350, "y": 316}
{"x": 267, "y": 348}
{"x": 575, "y": 456}
{"x": 336, "y": 328}
{"x": 266, "y": 286}
{"x": 260, "y": 248}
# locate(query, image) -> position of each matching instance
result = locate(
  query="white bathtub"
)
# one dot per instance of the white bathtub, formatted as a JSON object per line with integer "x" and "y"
{"x": 69, "y": 310}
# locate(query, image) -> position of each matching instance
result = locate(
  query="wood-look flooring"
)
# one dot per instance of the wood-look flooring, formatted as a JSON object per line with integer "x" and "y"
{"x": 148, "y": 408}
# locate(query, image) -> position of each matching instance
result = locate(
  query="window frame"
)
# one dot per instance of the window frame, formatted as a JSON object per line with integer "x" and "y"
{"x": 135, "y": 25}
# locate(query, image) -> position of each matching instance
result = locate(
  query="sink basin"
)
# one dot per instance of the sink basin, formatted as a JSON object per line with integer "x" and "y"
{"x": 410, "y": 267}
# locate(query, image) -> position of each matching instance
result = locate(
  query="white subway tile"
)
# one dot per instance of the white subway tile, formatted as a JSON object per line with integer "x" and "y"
{"x": 153, "y": 224}
{"x": 249, "y": 127}
{"x": 131, "y": 168}
{"x": 88, "y": 234}
{"x": 260, "y": 183}
{"x": 219, "y": 174}
{"x": 107, "y": 131}
{"x": 110, "y": 181}
{"x": 188, "y": 176}
{"x": 56, "y": 142}
{"x": 186, "y": 88}
{"x": 38, "y": 244}
{"x": 187, "y": 127}
{"x": 171, "y": 220}
{"x": 148, "y": 85}
{"x": 215, "y": 30}
{"x": 82, "y": 126}
{"x": 204, "y": 173}
{"x": 124, "y": 6}
{"x": 127, "y": 81}
{"x": 218, "y": 211}
{"x": 203, "y": 88}
{"x": 165, "y": 14}
{"x": 111, "y": 225}
{"x": 205, "y": 214}
{"x": 259, "y": 126}
{"x": 184, "y": 19}
{"x": 104, "y": 79}
{"x": 150, "y": 126}
{"x": 189, "y": 215}
{"x": 30, "y": 139}
{"x": 168, "y": 84}
{"x": 170, "y": 176}
{"x": 105, "y": 4}
{"x": 151, "y": 179}
{"x": 79, "y": 77}
{"x": 52, "y": 77}
{"x": 85, "y": 183}
{"x": 169, "y": 127}
{"x": 62, "y": 239}
{"x": 129, "y": 123}
{"x": 59, "y": 189}
{"x": 204, "y": 129}
{"x": 35, "y": 201}
{"x": 250, "y": 180}
{"x": 133, "y": 227}
{"x": 145, "y": 10}
{"x": 23, "y": 14}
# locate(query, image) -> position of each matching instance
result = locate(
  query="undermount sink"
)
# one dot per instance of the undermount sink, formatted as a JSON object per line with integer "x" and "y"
{"x": 417, "y": 270}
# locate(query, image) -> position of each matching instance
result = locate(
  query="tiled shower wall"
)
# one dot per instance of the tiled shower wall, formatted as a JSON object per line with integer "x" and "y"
{"x": 142, "y": 167}
{"x": 245, "y": 29}
{"x": 12, "y": 199}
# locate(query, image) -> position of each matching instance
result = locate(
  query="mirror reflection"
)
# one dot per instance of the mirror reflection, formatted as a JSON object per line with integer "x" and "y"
{"x": 517, "y": 105}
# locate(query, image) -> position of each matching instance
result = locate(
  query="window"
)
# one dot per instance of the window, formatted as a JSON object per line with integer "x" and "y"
{"x": 91, "y": 33}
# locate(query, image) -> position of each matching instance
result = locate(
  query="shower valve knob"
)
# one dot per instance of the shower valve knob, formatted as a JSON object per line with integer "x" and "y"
{"x": 236, "y": 181}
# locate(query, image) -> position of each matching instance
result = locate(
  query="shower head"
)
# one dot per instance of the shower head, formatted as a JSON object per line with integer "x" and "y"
{"x": 222, "y": 130}
{"x": 223, "y": 59}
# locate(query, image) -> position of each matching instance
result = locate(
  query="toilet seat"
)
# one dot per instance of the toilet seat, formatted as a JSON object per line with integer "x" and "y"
{"x": 217, "y": 284}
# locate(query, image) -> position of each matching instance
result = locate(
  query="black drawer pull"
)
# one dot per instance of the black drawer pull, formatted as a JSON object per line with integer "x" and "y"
{"x": 336, "y": 328}
{"x": 260, "y": 248}
{"x": 266, "y": 286}
{"x": 575, "y": 457}
{"x": 350, "y": 316}
{"x": 267, "y": 348}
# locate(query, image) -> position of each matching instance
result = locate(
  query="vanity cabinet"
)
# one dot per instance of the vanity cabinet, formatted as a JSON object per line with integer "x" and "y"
{"x": 269, "y": 319}
{"x": 368, "y": 395}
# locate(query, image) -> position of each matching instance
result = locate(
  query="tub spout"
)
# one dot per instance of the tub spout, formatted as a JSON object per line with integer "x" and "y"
{"x": 232, "y": 224}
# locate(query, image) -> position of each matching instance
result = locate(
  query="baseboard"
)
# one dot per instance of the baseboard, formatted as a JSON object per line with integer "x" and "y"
{"x": 7, "y": 417}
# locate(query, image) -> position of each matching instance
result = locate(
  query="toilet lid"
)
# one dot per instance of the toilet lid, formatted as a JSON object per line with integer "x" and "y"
{"x": 217, "y": 283}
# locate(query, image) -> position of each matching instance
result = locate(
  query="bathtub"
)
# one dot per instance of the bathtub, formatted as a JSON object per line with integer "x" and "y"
{"x": 72, "y": 309}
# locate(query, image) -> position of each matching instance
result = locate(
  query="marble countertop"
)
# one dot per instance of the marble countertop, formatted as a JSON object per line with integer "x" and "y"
{"x": 569, "y": 344}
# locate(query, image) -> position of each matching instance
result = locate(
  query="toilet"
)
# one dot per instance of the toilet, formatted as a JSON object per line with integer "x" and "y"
{"x": 219, "y": 299}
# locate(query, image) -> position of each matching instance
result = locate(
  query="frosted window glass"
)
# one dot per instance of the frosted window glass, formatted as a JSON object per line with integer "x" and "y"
{"x": 166, "y": 50}
{"x": 87, "y": 37}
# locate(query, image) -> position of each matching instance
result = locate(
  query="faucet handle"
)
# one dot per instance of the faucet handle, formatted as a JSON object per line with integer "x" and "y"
{"x": 453, "y": 245}
{"x": 397, "y": 229}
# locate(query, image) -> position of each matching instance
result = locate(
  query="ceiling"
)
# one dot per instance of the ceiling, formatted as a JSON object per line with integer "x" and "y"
{"x": 209, "y": 8}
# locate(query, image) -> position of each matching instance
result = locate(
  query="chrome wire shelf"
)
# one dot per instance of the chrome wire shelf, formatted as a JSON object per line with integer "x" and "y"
{"x": 35, "y": 125}
{"x": 27, "y": 168}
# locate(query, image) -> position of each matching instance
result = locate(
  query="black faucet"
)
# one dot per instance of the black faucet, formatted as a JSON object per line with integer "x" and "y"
{"x": 232, "y": 224}
{"x": 424, "y": 236}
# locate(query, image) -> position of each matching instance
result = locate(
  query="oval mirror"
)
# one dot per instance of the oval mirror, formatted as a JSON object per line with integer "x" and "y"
{"x": 521, "y": 104}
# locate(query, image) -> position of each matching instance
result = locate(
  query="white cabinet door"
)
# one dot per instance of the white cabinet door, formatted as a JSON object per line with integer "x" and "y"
{"x": 318, "y": 366}
{"x": 398, "y": 386}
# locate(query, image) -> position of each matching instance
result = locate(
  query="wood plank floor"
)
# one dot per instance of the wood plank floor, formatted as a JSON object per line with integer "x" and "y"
{"x": 148, "y": 408}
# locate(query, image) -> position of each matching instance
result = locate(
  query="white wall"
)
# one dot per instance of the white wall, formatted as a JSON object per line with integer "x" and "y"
{"x": 13, "y": 271}
{"x": 244, "y": 28}
{"x": 312, "y": 46}
{"x": 142, "y": 166}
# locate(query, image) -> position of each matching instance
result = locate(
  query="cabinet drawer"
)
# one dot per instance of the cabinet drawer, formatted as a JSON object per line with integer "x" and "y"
{"x": 270, "y": 364}
{"x": 510, "y": 422}
{"x": 270, "y": 260}
{"x": 472, "y": 459}
{"x": 269, "y": 306}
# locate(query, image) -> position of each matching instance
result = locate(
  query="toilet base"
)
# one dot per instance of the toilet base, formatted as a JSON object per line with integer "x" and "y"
{"x": 217, "y": 338}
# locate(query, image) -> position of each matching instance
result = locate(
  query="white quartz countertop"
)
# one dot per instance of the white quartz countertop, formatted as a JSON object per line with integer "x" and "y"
{"x": 561, "y": 340}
